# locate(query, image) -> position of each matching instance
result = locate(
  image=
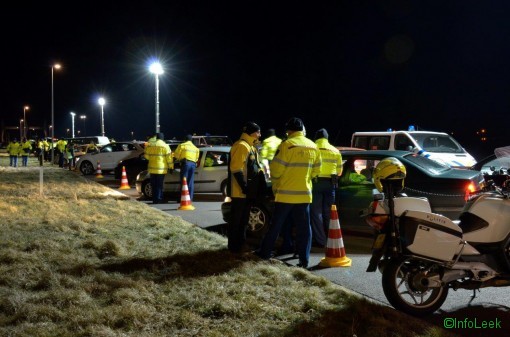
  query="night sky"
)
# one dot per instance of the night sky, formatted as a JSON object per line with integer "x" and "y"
{"x": 343, "y": 65}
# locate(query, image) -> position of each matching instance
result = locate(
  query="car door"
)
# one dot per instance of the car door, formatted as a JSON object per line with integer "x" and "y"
{"x": 110, "y": 158}
{"x": 212, "y": 172}
{"x": 355, "y": 189}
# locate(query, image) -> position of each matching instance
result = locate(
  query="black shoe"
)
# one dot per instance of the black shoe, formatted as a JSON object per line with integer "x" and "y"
{"x": 302, "y": 265}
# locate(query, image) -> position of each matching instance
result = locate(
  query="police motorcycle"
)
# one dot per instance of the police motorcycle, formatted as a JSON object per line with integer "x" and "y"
{"x": 422, "y": 255}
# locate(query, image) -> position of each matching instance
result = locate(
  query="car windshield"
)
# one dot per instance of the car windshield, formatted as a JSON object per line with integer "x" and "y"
{"x": 426, "y": 164}
{"x": 437, "y": 143}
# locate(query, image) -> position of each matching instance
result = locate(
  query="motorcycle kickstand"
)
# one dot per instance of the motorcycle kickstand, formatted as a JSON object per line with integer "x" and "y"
{"x": 474, "y": 296}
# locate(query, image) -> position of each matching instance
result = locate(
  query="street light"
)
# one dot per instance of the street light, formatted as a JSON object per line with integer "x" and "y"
{"x": 102, "y": 102}
{"x": 72, "y": 123}
{"x": 20, "y": 129}
{"x": 25, "y": 108}
{"x": 157, "y": 70}
{"x": 53, "y": 67}
{"x": 83, "y": 118}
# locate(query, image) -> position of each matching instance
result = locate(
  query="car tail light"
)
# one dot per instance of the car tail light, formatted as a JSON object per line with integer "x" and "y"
{"x": 470, "y": 188}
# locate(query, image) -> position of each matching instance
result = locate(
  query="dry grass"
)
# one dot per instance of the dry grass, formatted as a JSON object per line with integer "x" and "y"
{"x": 82, "y": 260}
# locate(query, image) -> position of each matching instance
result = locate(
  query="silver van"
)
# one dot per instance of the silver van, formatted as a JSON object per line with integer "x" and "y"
{"x": 438, "y": 146}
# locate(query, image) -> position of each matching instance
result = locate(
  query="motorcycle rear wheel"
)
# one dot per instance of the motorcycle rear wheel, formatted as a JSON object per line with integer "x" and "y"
{"x": 404, "y": 294}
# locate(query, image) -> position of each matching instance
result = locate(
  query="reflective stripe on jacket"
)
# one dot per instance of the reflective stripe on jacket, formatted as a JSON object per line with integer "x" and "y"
{"x": 269, "y": 147}
{"x": 159, "y": 156}
{"x": 296, "y": 162}
{"x": 331, "y": 158}
{"x": 188, "y": 151}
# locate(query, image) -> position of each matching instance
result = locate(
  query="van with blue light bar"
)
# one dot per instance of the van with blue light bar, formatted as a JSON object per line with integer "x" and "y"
{"x": 438, "y": 146}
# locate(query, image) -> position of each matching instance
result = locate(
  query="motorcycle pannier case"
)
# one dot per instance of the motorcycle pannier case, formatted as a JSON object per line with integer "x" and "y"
{"x": 429, "y": 235}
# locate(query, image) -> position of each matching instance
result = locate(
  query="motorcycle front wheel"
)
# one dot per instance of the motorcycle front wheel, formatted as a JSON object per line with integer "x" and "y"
{"x": 403, "y": 282}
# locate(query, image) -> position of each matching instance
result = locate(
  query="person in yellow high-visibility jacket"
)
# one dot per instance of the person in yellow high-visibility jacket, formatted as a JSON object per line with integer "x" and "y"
{"x": 295, "y": 164}
{"x": 324, "y": 188}
{"x": 26, "y": 147}
{"x": 13, "y": 148}
{"x": 243, "y": 172}
{"x": 187, "y": 155}
{"x": 269, "y": 146}
{"x": 160, "y": 160}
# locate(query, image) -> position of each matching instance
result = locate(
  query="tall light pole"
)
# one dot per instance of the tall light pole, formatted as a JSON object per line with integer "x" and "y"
{"x": 25, "y": 108}
{"x": 157, "y": 70}
{"x": 83, "y": 118}
{"x": 21, "y": 128}
{"x": 102, "y": 102}
{"x": 53, "y": 67}
{"x": 72, "y": 124}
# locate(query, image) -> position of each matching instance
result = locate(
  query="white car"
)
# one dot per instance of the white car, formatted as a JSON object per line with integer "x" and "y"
{"x": 210, "y": 174}
{"x": 108, "y": 157}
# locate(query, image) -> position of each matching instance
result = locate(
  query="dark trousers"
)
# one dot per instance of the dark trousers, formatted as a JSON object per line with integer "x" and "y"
{"x": 157, "y": 181}
{"x": 300, "y": 215}
{"x": 320, "y": 214}
{"x": 240, "y": 211}
{"x": 188, "y": 172}
{"x": 13, "y": 160}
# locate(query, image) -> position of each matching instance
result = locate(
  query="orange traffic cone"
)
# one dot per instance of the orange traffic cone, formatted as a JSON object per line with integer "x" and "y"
{"x": 185, "y": 198}
{"x": 335, "y": 251}
{"x": 124, "y": 184}
{"x": 99, "y": 174}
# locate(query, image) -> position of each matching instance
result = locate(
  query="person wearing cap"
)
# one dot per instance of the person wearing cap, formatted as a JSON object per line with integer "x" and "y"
{"x": 243, "y": 171}
{"x": 295, "y": 164}
{"x": 160, "y": 160}
{"x": 269, "y": 146}
{"x": 324, "y": 188}
{"x": 14, "y": 148}
{"x": 187, "y": 155}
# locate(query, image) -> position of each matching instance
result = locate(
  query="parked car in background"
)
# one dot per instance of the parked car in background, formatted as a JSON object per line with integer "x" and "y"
{"x": 208, "y": 140}
{"x": 108, "y": 156}
{"x": 210, "y": 174}
{"x": 440, "y": 146}
{"x": 138, "y": 164}
{"x": 445, "y": 188}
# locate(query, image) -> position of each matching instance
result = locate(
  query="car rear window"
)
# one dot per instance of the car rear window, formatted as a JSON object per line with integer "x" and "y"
{"x": 427, "y": 164}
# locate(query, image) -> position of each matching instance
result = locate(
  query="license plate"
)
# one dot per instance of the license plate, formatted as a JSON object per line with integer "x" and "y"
{"x": 379, "y": 241}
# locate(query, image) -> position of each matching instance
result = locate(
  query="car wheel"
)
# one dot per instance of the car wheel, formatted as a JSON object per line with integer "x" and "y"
{"x": 86, "y": 168}
{"x": 258, "y": 221}
{"x": 147, "y": 189}
{"x": 223, "y": 188}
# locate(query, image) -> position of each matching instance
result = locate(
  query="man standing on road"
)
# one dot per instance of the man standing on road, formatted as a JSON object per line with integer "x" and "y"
{"x": 243, "y": 170}
{"x": 324, "y": 187}
{"x": 14, "y": 149}
{"x": 187, "y": 155}
{"x": 296, "y": 162}
{"x": 160, "y": 161}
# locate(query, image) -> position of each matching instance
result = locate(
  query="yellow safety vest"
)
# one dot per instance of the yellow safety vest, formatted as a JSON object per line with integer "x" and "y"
{"x": 331, "y": 158}
{"x": 25, "y": 148}
{"x": 269, "y": 147}
{"x": 242, "y": 152}
{"x": 297, "y": 161}
{"x": 160, "y": 157}
{"x": 13, "y": 148}
{"x": 188, "y": 151}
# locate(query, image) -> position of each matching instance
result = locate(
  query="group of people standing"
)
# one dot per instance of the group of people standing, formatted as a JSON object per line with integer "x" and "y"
{"x": 303, "y": 173}
{"x": 16, "y": 149}
{"x": 161, "y": 161}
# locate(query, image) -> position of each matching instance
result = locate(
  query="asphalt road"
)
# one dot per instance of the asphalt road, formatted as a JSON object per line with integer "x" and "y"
{"x": 490, "y": 304}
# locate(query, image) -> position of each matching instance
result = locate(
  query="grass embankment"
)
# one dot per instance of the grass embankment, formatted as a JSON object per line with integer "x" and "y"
{"x": 83, "y": 261}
